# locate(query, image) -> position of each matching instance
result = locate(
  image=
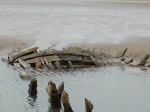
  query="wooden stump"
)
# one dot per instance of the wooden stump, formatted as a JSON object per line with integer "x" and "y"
{"x": 60, "y": 89}
{"x": 33, "y": 87}
{"x": 53, "y": 95}
{"x": 88, "y": 106}
{"x": 66, "y": 102}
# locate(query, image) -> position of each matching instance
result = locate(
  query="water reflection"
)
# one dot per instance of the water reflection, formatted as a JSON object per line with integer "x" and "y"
{"x": 32, "y": 100}
{"x": 53, "y": 110}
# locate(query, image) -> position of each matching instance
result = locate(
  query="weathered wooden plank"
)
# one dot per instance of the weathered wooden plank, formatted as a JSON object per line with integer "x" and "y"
{"x": 24, "y": 64}
{"x": 122, "y": 54}
{"x": 70, "y": 65}
{"x": 71, "y": 58}
{"x": 143, "y": 61}
{"x": 26, "y": 52}
{"x": 128, "y": 60}
{"x": 58, "y": 65}
{"x": 17, "y": 65}
{"x": 49, "y": 53}
{"x": 49, "y": 64}
{"x": 34, "y": 60}
{"x": 95, "y": 61}
{"x": 52, "y": 58}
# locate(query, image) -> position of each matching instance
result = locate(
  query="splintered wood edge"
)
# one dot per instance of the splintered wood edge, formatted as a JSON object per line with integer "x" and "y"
{"x": 88, "y": 104}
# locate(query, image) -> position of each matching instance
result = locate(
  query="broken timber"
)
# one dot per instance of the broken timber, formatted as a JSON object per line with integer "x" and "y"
{"x": 73, "y": 57}
{"x": 53, "y": 95}
{"x": 54, "y": 59}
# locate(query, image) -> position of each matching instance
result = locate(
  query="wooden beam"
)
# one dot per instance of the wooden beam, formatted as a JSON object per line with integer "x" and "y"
{"x": 58, "y": 65}
{"x": 66, "y": 102}
{"x": 24, "y": 53}
{"x": 70, "y": 65}
{"x": 24, "y": 64}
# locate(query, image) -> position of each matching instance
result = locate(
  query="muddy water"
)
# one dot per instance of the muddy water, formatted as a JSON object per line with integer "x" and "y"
{"x": 110, "y": 89}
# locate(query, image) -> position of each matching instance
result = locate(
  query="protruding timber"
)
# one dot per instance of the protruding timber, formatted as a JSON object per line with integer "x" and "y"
{"x": 33, "y": 87}
{"x": 60, "y": 89}
{"x": 123, "y": 53}
{"x": 88, "y": 106}
{"x": 66, "y": 102}
{"x": 143, "y": 61}
{"x": 53, "y": 95}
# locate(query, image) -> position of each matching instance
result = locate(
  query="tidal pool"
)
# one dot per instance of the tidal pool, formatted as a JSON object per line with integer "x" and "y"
{"x": 110, "y": 89}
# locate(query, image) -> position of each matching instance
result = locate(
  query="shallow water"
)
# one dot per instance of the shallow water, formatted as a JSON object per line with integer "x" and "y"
{"x": 110, "y": 89}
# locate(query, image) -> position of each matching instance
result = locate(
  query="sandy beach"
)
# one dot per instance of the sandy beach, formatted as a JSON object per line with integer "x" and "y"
{"x": 102, "y": 24}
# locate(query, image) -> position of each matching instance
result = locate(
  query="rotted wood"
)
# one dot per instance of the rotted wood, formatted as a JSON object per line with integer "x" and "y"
{"x": 53, "y": 95}
{"x": 95, "y": 61}
{"x": 49, "y": 64}
{"x": 57, "y": 63}
{"x": 24, "y": 53}
{"x": 70, "y": 65}
{"x": 88, "y": 106}
{"x": 60, "y": 89}
{"x": 51, "y": 53}
{"x": 128, "y": 60}
{"x": 143, "y": 61}
{"x": 24, "y": 64}
{"x": 66, "y": 102}
{"x": 33, "y": 87}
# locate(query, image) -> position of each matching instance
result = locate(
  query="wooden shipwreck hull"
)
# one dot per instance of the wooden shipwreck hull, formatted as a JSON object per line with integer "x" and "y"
{"x": 73, "y": 57}
{"x": 54, "y": 59}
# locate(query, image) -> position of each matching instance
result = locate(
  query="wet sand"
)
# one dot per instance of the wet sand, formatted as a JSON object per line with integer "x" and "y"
{"x": 102, "y": 24}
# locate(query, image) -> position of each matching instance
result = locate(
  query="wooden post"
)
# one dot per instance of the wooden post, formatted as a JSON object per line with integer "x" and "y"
{"x": 66, "y": 102}
{"x": 88, "y": 106}
{"x": 60, "y": 89}
{"x": 53, "y": 95}
{"x": 33, "y": 87}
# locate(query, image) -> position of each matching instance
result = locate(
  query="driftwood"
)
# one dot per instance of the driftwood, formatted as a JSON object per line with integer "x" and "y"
{"x": 53, "y": 95}
{"x": 33, "y": 87}
{"x": 88, "y": 106}
{"x": 66, "y": 102}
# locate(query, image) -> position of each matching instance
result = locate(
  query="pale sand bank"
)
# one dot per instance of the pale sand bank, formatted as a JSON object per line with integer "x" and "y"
{"x": 90, "y": 23}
